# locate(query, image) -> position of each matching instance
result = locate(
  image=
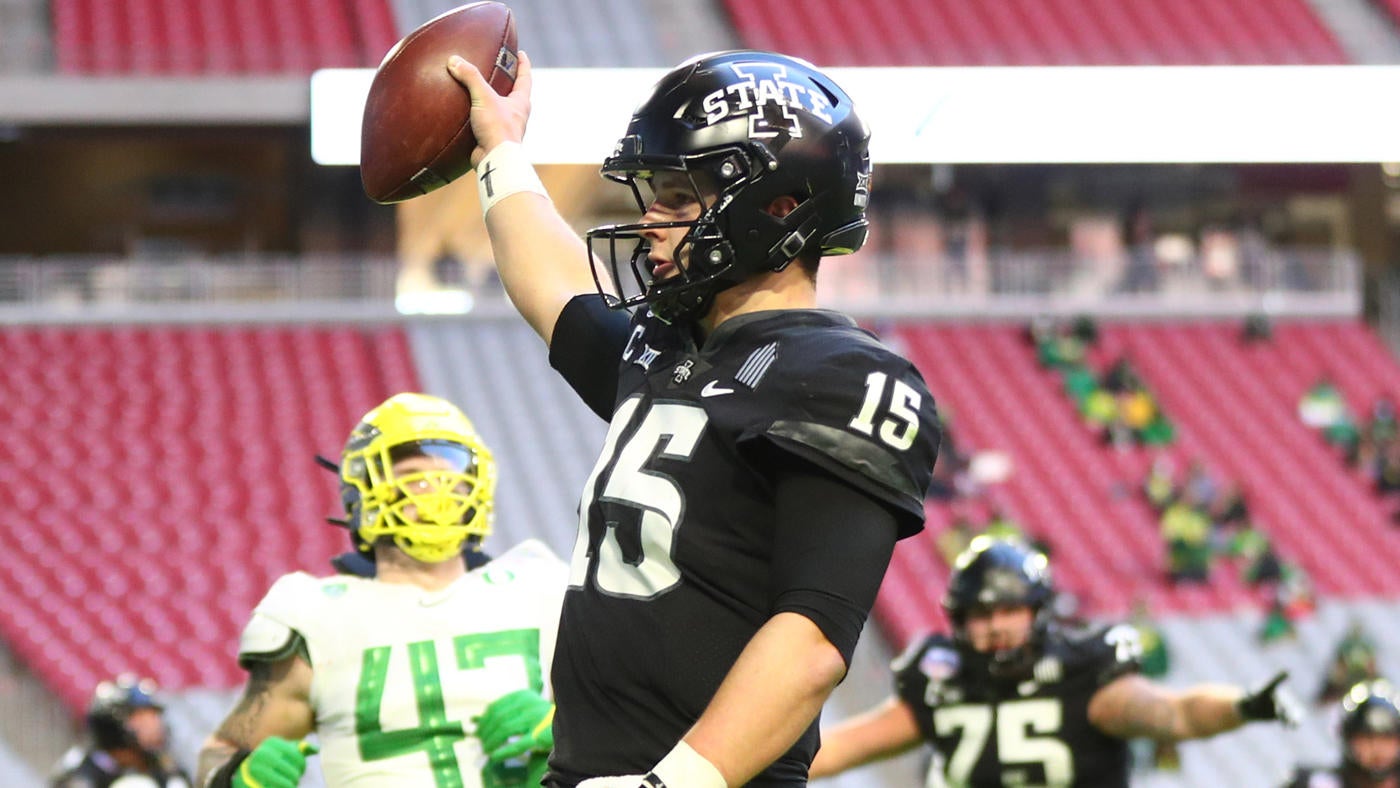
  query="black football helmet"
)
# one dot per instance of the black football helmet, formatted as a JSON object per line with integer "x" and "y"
{"x": 994, "y": 573}
{"x": 112, "y": 704}
{"x": 760, "y": 126}
{"x": 1371, "y": 707}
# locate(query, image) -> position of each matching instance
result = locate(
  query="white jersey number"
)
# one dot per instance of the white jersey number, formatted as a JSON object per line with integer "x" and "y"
{"x": 902, "y": 427}
{"x": 1026, "y": 734}
{"x": 437, "y": 734}
{"x": 669, "y": 430}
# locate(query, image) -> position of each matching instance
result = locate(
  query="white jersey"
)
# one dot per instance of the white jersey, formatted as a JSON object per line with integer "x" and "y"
{"x": 398, "y": 672}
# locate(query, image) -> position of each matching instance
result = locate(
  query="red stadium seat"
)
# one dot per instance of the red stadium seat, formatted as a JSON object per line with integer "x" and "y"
{"x": 141, "y": 525}
{"x": 1041, "y": 33}
{"x": 175, "y": 37}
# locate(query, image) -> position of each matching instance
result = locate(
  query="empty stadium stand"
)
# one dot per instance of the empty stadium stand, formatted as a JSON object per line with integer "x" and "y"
{"x": 1053, "y": 33}
{"x": 162, "y": 478}
{"x": 218, "y": 37}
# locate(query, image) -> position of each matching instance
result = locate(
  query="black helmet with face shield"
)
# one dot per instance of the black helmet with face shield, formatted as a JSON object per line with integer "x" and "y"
{"x": 759, "y": 126}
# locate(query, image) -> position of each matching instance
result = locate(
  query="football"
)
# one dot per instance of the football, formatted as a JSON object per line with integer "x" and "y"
{"x": 415, "y": 136}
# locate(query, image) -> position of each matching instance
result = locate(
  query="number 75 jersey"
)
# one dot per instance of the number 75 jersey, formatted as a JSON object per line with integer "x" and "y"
{"x": 671, "y": 574}
{"x": 398, "y": 672}
{"x": 1030, "y": 731}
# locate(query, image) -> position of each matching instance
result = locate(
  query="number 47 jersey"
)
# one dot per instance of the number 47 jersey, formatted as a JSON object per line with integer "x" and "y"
{"x": 398, "y": 671}
{"x": 671, "y": 573}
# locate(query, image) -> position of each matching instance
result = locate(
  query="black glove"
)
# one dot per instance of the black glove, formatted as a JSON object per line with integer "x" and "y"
{"x": 1273, "y": 701}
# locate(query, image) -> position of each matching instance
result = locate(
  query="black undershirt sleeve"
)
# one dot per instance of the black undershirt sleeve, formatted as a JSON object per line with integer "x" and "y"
{"x": 586, "y": 348}
{"x": 831, "y": 547}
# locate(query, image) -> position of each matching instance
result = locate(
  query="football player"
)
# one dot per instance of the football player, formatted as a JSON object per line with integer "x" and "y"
{"x": 1013, "y": 699}
{"x": 425, "y": 674}
{"x": 1370, "y": 729}
{"x": 126, "y": 725}
{"x": 763, "y": 456}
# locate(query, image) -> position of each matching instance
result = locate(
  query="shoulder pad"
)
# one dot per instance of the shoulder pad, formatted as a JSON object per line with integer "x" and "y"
{"x": 272, "y": 633}
{"x": 925, "y": 650}
{"x": 1108, "y": 650}
{"x": 863, "y": 414}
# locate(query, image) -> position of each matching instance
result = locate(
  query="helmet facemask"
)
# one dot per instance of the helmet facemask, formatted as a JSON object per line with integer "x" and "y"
{"x": 704, "y": 258}
{"x": 415, "y": 473}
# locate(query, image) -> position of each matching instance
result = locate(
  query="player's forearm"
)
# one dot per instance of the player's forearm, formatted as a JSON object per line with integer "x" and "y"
{"x": 882, "y": 732}
{"x": 1206, "y": 710}
{"x": 215, "y": 753}
{"x": 771, "y": 695}
{"x": 541, "y": 260}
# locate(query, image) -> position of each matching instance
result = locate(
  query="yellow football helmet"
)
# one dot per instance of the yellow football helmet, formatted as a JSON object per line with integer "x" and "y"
{"x": 415, "y": 470}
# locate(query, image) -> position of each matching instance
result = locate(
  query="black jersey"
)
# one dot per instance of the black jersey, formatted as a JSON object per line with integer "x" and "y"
{"x": 669, "y": 576}
{"x": 1032, "y": 731}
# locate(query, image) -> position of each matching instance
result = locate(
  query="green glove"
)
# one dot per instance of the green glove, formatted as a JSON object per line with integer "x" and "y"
{"x": 276, "y": 763}
{"x": 515, "y": 724}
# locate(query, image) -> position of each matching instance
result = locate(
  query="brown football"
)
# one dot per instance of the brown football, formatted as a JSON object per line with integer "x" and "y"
{"x": 415, "y": 136}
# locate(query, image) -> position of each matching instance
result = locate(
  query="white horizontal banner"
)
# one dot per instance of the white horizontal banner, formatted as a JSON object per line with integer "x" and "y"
{"x": 1047, "y": 115}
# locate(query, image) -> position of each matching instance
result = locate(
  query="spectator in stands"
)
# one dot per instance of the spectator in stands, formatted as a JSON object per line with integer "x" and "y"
{"x": 1277, "y": 625}
{"x": 1257, "y": 328}
{"x": 1259, "y": 562}
{"x": 356, "y": 659}
{"x": 1200, "y": 488}
{"x": 1370, "y": 734}
{"x": 1323, "y": 407}
{"x": 1187, "y": 533}
{"x": 1141, "y": 274}
{"x": 1296, "y": 592}
{"x": 955, "y": 539}
{"x": 1388, "y": 471}
{"x": 1353, "y": 661}
{"x": 1008, "y": 669}
{"x": 1160, "y": 485}
{"x": 1121, "y": 378}
{"x": 127, "y": 741}
{"x": 1384, "y": 426}
{"x": 1231, "y": 509}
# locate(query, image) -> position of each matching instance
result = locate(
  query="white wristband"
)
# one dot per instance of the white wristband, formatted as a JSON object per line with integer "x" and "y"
{"x": 504, "y": 171}
{"x": 683, "y": 767}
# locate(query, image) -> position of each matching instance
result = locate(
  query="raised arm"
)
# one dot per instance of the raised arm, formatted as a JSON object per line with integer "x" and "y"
{"x": 542, "y": 262}
{"x": 882, "y": 732}
{"x": 275, "y": 702}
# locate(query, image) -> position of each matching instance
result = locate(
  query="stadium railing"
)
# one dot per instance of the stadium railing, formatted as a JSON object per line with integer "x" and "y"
{"x": 998, "y": 284}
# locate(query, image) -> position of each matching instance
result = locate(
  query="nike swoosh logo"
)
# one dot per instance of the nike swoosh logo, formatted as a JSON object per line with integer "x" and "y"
{"x": 711, "y": 390}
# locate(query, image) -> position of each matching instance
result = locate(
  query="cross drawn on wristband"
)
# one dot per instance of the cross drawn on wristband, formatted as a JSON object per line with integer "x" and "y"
{"x": 485, "y": 176}
{"x": 635, "y": 498}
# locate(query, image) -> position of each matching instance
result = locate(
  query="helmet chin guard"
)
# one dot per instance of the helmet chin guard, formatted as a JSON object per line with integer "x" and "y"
{"x": 760, "y": 126}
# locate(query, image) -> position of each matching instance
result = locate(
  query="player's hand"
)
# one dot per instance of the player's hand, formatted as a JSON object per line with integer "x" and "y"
{"x": 515, "y": 724}
{"x": 1272, "y": 701}
{"x": 276, "y": 763}
{"x": 494, "y": 118}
